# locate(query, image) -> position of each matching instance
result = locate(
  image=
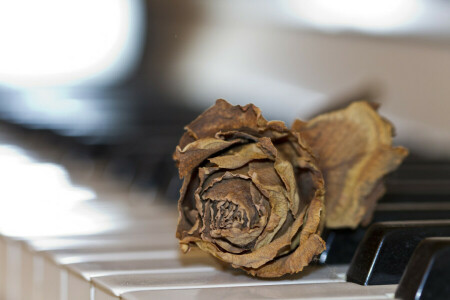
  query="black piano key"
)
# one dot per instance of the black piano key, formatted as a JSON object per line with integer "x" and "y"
{"x": 157, "y": 176}
{"x": 427, "y": 275}
{"x": 420, "y": 176}
{"x": 426, "y": 211}
{"x": 172, "y": 192}
{"x": 392, "y": 197}
{"x": 386, "y": 248}
{"x": 169, "y": 182}
{"x": 421, "y": 169}
{"x": 342, "y": 243}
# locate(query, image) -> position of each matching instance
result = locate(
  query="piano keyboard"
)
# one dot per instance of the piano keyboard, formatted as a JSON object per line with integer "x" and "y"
{"x": 78, "y": 233}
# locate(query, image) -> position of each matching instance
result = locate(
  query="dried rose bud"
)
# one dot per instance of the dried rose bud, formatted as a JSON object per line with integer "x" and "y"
{"x": 252, "y": 195}
{"x": 253, "y": 191}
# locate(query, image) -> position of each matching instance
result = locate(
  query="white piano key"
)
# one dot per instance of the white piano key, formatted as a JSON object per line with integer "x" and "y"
{"x": 15, "y": 271}
{"x": 26, "y": 276}
{"x": 54, "y": 260}
{"x": 37, "y": 278}
{"x": 193, "y": 259}
{"x": 53, "y": 269}
{"x": 99, "y": 294}
{"x": 81, "y": 274}
{"x": 115, "y": 206}
{"x": 2, "y": 267}
{"x": 133, "y": 246}
{"x": 323, "y": 291}
{"x": 78, "y": 288}
{"x": 103, "y": 241}
{"x": 115, "y": 285}
{"x": 66, "y": 248}
{"x": 51, "y": 281}
{"x": 112, "y": 227}
{"x": 64, "y": 283}
{"x": 104, "y": 255}
{"x": 13, "y": 268}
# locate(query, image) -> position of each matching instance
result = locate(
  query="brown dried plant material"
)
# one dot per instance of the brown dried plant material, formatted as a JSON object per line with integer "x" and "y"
{"x": 252, "y": 194}
{"x": 354, "y": 151}
{"x": 253, "y": 190}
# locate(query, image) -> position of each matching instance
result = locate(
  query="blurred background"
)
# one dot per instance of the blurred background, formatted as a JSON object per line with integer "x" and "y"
{"x": 122, "y": 77}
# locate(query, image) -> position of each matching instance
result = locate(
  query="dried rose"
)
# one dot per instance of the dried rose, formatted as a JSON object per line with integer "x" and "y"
{"x": 252, "y": 195}
{"x": 253, "y": 191}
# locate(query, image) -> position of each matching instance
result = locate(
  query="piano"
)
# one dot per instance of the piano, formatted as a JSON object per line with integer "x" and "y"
{"x": 88, "y": 188}
{"x": 94, "y": 217}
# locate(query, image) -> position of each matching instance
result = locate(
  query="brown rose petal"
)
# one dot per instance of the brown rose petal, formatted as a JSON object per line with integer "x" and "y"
{"x": 222, "y": 117}
{"x": 240, "y": 157}
{"x": 196, "y": 152}
{"x": 309, "y": 245}
{"x": 294, "y": 262}
{"x": 187, "y": 229}
{"x": 354, "y": 148}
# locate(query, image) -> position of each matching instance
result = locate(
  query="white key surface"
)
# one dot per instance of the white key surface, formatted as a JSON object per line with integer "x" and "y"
{"x": 20, "y": 264}
{"x": 191, "y": 260}
{"x": 80, "y": 274}
{"x": 54, "y": 261}
{"x": 3, "y": 259}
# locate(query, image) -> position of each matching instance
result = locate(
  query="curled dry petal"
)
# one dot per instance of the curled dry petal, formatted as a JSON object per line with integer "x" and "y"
{"x": 354, "y": 151}
{"x": 252, "y": 194}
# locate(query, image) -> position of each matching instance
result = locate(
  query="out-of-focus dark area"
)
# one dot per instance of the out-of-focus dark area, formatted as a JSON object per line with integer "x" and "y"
{"x": 122, "y": 78}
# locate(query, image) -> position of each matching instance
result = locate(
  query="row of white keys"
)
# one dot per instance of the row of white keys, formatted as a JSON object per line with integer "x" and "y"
{"x": 116, "y": 275}
{"x": 62, "y": 275}
{"x": 54, "y": 263}
{"x": 80, "y": 275}
{"x": 139, "y": 234}
{"x": 29, "y": 261}
{"x": 46, "y": 259}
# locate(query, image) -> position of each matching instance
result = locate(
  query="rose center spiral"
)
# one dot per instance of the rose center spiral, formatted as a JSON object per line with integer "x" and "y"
{"x": 235, "y": 213}
{"x": 226, "y": 214}
{"x": 231, "y": 204}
